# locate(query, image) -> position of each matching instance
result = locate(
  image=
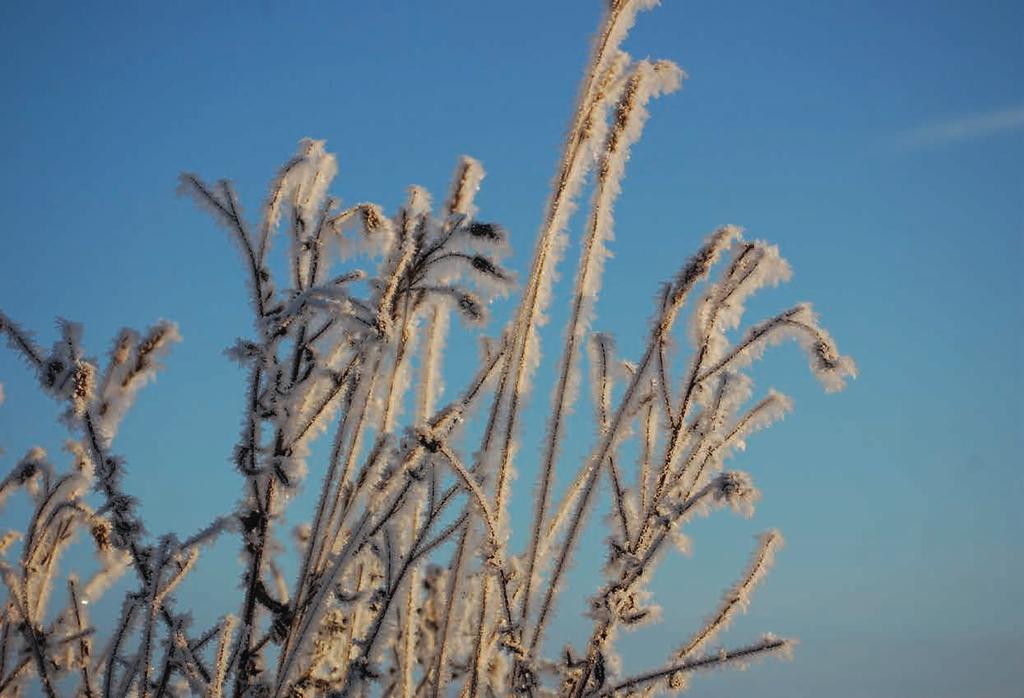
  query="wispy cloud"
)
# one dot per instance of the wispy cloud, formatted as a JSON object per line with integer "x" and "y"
{"x": 965, "y": 127}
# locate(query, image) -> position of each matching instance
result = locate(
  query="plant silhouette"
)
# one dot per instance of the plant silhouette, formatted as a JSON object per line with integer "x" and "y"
{"x": 406, "y": 582}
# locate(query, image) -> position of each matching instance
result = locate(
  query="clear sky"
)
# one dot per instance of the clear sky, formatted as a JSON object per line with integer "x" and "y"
{"x": 880, "y": 144}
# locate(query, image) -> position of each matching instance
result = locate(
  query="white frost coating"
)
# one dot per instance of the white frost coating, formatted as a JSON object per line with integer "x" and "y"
{"x": 65, "y": 374}
{"x": 376, "y": 236}
{"x": 309, "y": 180}
{"x": 618, "y": 21}
{"x": 302, "y": 182}
{"x": 737, "y": 597}
{"x": 646, "y": 80}
{"x": 799, "y": 323}
{"x": 222, "y": 655}
{"x": 407, "y": 632}
{"x": 410, "y": 224}
{"x": 416, "y": 208}
{"x": 485, "y": 273}
{"x": 762, "y": 415}
{"x": 465, "y": 185}
{"x": 601, "y": 357}
{"x": 732, "y": 390}
{"x": 431, "y": 382}
{"x": 8, "y": 539}
{"x": 399, "y": 385}
{"x": 735, "y": 489}
{"x": 206, "y": 536}
{"x": 696, "y": 269}
{"x": 651, "y": 421}
{"x": 737, "y": 389}
{"x": 26, "y": 473}
{"x": 134, "y": 361}
{"x": 720, "y": 438}
{"x": 306, "y": 187}
{"x": 608, "y": 90}
{"x": 318, "y": 398}
{"x": 754, "y": 266}
{"x": 524, "y": 358}
{"x": 190, "y": 185}
{"x": 537, "y": 316}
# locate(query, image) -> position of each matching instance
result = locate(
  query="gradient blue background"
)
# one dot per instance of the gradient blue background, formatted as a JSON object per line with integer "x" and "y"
{"x": 879, "y": 144}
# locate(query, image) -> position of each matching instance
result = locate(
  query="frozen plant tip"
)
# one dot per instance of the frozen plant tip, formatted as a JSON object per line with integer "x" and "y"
{"x": 402, "y": 580}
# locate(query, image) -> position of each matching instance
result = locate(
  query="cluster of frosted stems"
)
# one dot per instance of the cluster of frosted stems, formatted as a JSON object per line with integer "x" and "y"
{"x": 406, "y": 584}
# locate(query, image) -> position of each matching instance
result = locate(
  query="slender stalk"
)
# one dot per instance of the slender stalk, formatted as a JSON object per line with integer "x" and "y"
{"x": 756, "y": 650}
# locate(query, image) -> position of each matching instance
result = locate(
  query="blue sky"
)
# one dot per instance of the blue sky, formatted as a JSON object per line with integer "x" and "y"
{"x": 879, "y": 144}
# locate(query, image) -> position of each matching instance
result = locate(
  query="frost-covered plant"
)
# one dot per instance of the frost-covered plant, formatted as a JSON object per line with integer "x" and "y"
{"x": 406, "y": 584}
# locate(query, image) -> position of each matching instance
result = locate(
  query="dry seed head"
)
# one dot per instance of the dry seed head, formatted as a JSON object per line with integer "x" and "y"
{"x": 605, "y": 91}
{"x": 465, "y": 185}
{"x": 83, "y": 386}
{"x": 100, "y": 531}
{"x": 678, "y": 681}
{"x": 736, "y": 489}
{"x": 486, "y": 231}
